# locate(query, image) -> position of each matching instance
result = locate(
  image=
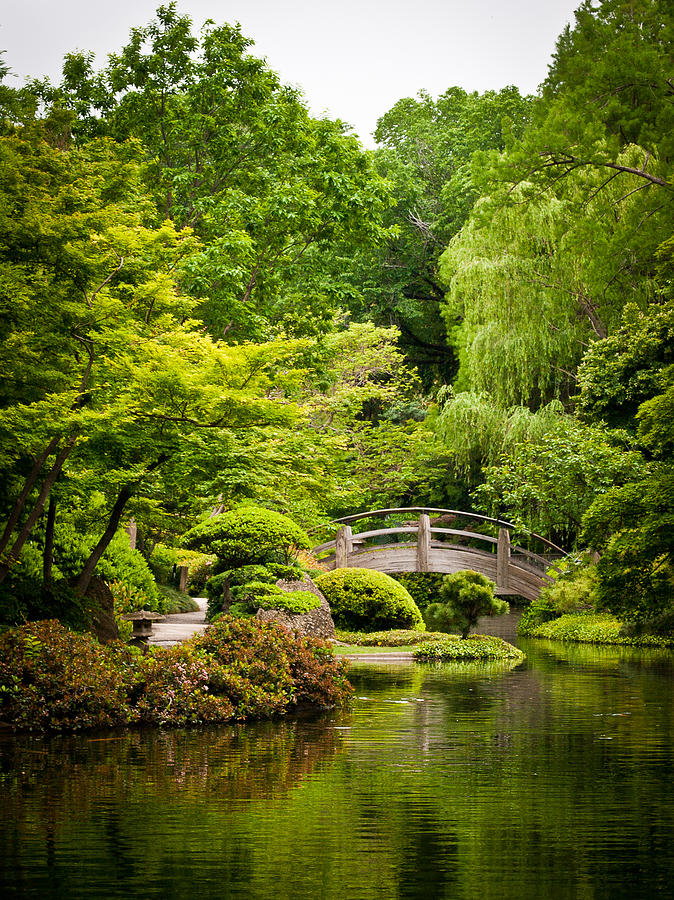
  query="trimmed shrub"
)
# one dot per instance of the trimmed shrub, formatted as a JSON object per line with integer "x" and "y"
{"x": 464, "y": 597}
{"x": 55, "y": 679}
{"x": 248, "y": 535}
{"x": 244, "y": 585}
{"x": 475, "y": 647}
{"x": 366, "y": 600}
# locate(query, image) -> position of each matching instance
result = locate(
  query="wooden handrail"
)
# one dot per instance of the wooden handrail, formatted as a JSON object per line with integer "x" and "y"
{"x": 453, "y": 512}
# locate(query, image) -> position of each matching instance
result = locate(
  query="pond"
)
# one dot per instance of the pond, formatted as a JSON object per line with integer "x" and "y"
{"x": 554, "y": 779}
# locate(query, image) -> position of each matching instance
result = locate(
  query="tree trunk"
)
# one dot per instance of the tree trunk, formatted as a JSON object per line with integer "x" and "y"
{"x": 27, "y": 488}
{"x": 47, "y": 485}
{"x": 85, "y": 576}
{"x": 48, "y": 554}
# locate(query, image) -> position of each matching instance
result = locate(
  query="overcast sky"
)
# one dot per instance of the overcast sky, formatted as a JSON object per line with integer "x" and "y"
{"x": 352, "y": 58}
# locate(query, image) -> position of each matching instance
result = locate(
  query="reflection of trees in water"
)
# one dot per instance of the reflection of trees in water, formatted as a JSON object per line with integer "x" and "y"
{"x": 69, "y": 776}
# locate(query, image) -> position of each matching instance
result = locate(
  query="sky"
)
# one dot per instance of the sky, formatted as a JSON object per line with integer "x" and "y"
{"x": 353, "y": 59}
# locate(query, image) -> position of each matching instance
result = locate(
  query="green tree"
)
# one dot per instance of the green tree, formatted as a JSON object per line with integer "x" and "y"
{"x": 465, "y": 597}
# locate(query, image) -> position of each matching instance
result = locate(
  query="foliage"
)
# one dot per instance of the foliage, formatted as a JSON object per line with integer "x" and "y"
{"x": 175, "y": 686}
{"x": 241, "y": 588}
{"x": 173, "y": 601}
{"x": 423, "y": 587}
{"x": 54, "y": 679}
{"x": 595, "y": 628}
{"x": 291, "y": 670}
{"x": 475, "y": 647}
{"x": 247, "y": 536}
{"x": 547, "y": 483}
{"x": 572, "y": 590}
{"x": 625, "y": 369}
{"x": 427, "y": 145}
{"x": 464, "y": 597}
{"x": 395, "y": 638}
{"x": 367, "y": 600}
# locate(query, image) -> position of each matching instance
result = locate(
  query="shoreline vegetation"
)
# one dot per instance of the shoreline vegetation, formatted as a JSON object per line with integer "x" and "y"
{"x": 592, "y": 628}
{"x": 56, "y": 680}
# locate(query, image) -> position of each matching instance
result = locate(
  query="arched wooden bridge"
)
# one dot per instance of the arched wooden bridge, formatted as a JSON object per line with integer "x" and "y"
{"x": 434, "y": 548}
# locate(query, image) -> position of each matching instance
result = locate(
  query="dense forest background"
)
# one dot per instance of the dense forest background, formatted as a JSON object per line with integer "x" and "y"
{"x": 210, "y": 297}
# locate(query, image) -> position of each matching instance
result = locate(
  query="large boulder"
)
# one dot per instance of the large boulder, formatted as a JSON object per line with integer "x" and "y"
{"x": 315, "y": 623}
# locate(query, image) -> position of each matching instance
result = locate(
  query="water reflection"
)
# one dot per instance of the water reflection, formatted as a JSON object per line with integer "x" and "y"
{"x": 553, "y": 779}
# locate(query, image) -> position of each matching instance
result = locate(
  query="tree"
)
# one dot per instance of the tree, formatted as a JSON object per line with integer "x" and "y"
{"x": 609, "y": 86}
{"x": 131, "y": 382}
{"x": 426, "y": 150}
{"x": 234, "y": 155}
{"x": 465, "y": 597}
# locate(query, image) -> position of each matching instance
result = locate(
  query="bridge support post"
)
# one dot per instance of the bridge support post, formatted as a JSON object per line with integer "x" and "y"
{"x": 423, "y": 543}
{"x": 343, "y": 547}
{"x": 503, "y": 559}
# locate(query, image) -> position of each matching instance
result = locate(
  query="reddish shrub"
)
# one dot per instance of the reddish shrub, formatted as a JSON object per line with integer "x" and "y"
{"x": 55, "y": 679}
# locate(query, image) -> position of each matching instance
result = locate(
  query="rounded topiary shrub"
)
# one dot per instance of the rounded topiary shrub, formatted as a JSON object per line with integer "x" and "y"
{"x": 248, "y": 535}
{"x": 365, "y": 600}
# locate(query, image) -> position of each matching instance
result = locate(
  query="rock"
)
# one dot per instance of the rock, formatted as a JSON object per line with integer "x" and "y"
{"x": 316, "y": 623}
{"x": 102, "y": 602}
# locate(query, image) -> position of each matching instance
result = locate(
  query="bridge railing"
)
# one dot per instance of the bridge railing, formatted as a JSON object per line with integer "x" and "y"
{"x": 426, "y": 536}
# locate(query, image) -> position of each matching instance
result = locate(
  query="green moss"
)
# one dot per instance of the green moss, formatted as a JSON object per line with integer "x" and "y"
{"x": 475, "y": 647}
{"x": 367, "y": 600}
{"x": 596, "y": 628}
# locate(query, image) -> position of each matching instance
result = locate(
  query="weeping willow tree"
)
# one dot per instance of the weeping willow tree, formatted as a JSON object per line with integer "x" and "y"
{"x": 534, "y": 279}
{"x": 478, "y": 432}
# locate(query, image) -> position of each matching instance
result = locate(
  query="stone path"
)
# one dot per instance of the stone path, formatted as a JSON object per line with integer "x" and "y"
{"x": 180, "y": 626}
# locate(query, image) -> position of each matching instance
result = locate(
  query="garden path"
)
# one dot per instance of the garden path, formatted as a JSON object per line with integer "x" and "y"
{"x": 180, "y": 626}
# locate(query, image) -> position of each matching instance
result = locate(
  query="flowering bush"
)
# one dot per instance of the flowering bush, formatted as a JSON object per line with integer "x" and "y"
{"x": 174, "y": 688}
{"x": 52, "y": 678}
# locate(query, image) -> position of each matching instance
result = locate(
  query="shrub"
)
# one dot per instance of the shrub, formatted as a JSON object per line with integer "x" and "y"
{"x": 248, "y": 535}
{"x": 237, "y": 583}
{"x": 55, "y": 679}
{"x": 573, "y": 590}
{"x": 465, "y": 596}
{"x": 175, "y": 688}
{"x": 275, "y": 668}
{"x": 362, "y": 599}
{"x": 474, "y": 647}
{"x": 596, "y": 628}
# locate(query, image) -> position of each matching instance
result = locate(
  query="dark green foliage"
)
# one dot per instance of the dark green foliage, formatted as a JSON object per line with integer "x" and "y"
{"x": 625, "y": 369}
{"x": 423, "y": 587}
{"x": 465, "y": 596}
{"x": 52, "y": 679}
{"x": 248, "y": 535}
{"x": 572, "y": 591}
{"x": 475, "y": 647}
{"x": 362, "y": 599}
{"x": 234, "y": 586}
{"x": 173, "y": 601}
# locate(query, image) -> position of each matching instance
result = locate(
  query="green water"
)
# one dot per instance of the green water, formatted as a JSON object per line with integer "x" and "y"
{"x": 551, "y": 780}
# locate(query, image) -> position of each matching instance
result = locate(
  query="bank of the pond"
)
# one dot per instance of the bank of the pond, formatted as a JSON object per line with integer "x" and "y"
{"x": 53, "y": 679}
{"x": 435, "y": 646}
{"x": 593, "y": 628}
